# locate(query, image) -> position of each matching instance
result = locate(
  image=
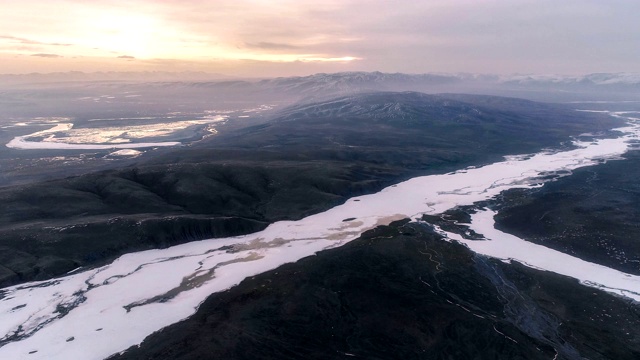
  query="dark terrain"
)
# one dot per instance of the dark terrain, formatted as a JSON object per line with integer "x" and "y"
{"x": 401, "y": 292}
{"x": 304, "y": 160}
{"x": 592, "y": 214}
{"x": 397, "y": 292}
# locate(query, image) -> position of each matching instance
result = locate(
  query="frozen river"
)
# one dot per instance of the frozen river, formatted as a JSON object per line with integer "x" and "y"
{"x": 99, "y": 312}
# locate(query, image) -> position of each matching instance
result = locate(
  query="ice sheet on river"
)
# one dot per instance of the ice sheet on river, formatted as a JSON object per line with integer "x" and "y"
{"x": 93, "y": 314}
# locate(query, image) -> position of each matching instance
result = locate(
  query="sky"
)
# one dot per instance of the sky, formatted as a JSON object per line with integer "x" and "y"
{"x": 256, "y": 38}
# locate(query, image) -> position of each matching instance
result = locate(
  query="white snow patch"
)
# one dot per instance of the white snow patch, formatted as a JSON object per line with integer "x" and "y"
{"x": 126, "y": 152}
{"x": 22, "y": 142}
{"x": 508, "y": 247}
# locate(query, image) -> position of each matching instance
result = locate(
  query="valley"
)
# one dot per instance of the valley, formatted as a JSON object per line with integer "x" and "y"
{"x": 295, "y": 189}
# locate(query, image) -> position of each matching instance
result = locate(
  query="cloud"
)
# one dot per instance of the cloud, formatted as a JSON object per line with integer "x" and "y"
{"x": 271, "y": 46}
{"x": 47, "y": 55}
{"x": 129, "y": 57}
{"x": 18, "y": 40}
{"x": 407, "y": 36}
{"x": 21, "y": 40}
{"x": 328, "y": 59}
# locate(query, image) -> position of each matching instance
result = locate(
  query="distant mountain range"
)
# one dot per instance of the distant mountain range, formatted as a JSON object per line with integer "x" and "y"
{"x": 343, "y": 80}
{"x": 549, "y": 88}
{"x": 129, "y": 76}
{"x": 354, "y": 82}
{"x": 370, "y": 78}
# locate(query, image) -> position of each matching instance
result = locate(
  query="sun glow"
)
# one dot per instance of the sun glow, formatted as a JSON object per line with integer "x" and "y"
{"x": 128, "y": 34}
{"x": 144, "y": 36}
{"x": 83, "y": 35}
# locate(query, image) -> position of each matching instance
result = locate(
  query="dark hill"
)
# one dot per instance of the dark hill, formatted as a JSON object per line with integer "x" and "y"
{"x": 400, "y": 292}
{"x": 416, "y": 122}
{"x": 305, "y": 160}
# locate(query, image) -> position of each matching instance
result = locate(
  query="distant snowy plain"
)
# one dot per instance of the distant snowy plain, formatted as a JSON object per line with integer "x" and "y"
{"x": 95, "y": 313}
{"x": 63, "y": 136}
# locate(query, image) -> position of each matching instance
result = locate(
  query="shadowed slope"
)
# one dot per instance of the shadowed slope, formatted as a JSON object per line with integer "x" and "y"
{"x": 309, "y": 158}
